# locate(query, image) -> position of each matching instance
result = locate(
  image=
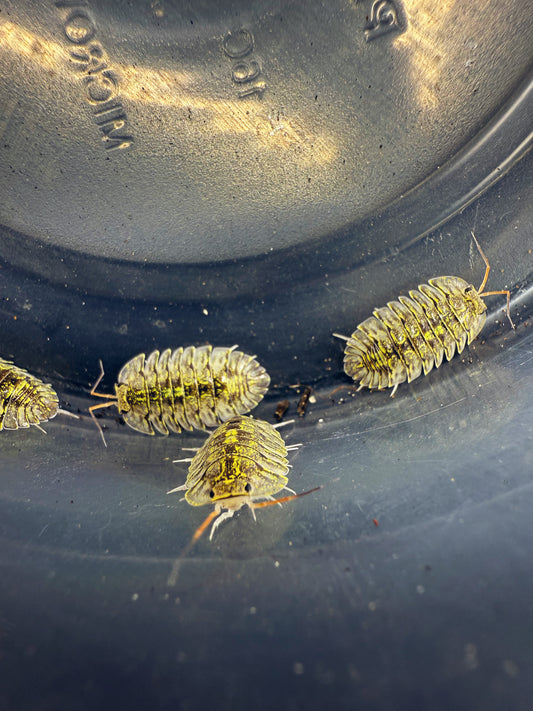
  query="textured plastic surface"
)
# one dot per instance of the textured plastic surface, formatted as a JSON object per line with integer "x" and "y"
{"x": 269, "y": 220}
{"x": 314, "y": 603}
{"x": 166, "y": 137}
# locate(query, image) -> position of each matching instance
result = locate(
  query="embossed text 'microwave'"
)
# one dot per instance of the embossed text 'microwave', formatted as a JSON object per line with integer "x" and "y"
{"x": 99, "y": 79}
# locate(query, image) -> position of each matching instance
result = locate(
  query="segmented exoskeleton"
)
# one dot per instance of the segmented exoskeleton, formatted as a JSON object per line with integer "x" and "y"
{"x": 413, "y": 334}
{"x": 186, "y": 388}
{"x": 24, "y": 399}
{"x": 243, "y": 461}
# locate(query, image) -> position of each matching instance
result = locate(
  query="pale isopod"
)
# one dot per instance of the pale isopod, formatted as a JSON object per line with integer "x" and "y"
{"x": 184, "y": 389}
{"x": 413, "y": 334}
{"x": 242, "y": 462}
{"x": 24, "y": 399}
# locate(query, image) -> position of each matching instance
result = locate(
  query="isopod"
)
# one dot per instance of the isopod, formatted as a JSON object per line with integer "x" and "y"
{"x": 184, "y": 389}
{"x": 413, "y": 334}
{"x": 243, "y": 461}
{"x": 24, "y": 399}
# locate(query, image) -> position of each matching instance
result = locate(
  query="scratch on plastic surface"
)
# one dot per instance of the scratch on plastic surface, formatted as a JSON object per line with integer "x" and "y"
{"x": 141, "y": 507}
{"x": 424, "y": 460}
{"x": 103, "y": 528}
{"x": 527, "y": 359}
{"x": 400, "y": 422}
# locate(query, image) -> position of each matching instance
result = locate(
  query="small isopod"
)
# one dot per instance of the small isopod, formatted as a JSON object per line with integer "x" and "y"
{"x": 413, "y": 334}
{"x": 24, "y": 399}
{"x": 242, "y": 462}
{"x": 184, "y": 389}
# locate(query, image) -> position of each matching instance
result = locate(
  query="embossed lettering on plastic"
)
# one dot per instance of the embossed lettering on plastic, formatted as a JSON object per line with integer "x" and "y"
{"x": 100, "y": 81}
{"x": 383, "y": 19}
{"x": 239, "y": 46}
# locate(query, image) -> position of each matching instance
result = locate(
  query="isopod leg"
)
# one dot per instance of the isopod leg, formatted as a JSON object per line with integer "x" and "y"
{"x": 60, "y": 411}
{"x": 183, "y": 487}
{"x": 221, "y": 517}
{"x": 91, "y": 412}
{"x": 278, "y": 425}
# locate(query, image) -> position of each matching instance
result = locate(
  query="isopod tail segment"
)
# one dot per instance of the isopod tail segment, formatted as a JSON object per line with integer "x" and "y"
{"x": 482, "y": 293}
{"x": 111, "y": 400}
{"x": 218, "y": 515}
{"x": 60, "y": 411}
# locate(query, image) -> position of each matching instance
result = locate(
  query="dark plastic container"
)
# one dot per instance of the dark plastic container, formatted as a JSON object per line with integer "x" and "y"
{"x": 265, "y": 174}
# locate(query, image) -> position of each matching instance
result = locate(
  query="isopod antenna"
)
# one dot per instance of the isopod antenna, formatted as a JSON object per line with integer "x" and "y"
{"x": 111, "y": 400}
{"x": 214, "y": 515}
{"x": 486, "y": 278}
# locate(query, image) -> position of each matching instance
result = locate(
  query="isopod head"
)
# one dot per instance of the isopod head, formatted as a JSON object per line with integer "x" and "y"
{"x": 242, "y": 460}
{"x": 465, "y": 302}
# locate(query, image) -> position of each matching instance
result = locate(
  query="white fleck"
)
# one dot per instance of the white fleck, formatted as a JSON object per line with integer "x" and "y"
{"x": 420, "y": 589}
{"x": 135, "y": 597}
{"x": 253, "y": 610}
{"x": 205, "y": 312}
{"x": 298, "y": 668}
{"x": 510, "y": 668}
{"x": 276, "y": 564}
{"x": 470, "y": 657}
